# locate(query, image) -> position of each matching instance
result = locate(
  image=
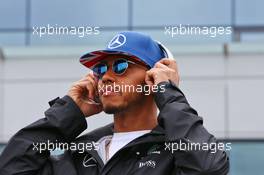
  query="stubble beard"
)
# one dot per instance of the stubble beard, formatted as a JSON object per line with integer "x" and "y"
{"x": 129, "y": 102}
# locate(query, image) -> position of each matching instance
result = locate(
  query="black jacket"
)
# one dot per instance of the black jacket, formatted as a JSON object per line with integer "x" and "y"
{"x": 154, "y": 153}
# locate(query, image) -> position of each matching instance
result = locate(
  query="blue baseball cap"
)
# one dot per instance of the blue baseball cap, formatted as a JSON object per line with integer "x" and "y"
{"x": 127, "y": 43}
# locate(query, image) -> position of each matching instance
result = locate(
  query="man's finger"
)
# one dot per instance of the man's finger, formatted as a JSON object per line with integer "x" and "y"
{"x": 165, "y": 61}
{"x": 93, "y": 77}
{"x": 171, "y": 63}
{"x": 91, "y": 91}
{"x": 89, "y": 80}
{"x": 160, "y": 65}
{"x": 149, "y": 78}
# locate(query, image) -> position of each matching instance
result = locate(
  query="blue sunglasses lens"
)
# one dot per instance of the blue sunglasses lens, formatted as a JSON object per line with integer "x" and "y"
{"x": 100, "y": 69}
{"x": 120, "y": 66}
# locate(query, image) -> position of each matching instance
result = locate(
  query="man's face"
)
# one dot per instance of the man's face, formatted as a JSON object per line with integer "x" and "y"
{"x": 118, "y": 94}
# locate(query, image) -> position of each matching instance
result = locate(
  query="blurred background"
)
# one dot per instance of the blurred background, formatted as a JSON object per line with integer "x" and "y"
{"x": 221, "y": 76}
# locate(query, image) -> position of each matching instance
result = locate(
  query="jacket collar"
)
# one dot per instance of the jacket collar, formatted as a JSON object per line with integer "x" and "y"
{"x": 106, "y": 130}
{"x": 155, "y": 135}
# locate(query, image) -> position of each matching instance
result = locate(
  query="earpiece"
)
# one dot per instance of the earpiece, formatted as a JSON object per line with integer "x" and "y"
{"x": 165, "y": 50}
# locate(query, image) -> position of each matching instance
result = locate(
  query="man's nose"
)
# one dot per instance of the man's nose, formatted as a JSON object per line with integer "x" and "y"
{"x": 108, "y": 77}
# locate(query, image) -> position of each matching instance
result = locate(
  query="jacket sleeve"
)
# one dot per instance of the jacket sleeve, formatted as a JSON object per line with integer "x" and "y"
{"x": 182, "y": 125}
{"x": 63, "y": 122}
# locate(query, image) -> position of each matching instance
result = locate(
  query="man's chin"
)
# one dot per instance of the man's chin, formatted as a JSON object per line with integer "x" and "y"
{"x": 111, "y": 109}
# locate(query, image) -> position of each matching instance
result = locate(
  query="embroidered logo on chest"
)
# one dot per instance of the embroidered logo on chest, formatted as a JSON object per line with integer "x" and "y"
{"x": 149, "y": 163}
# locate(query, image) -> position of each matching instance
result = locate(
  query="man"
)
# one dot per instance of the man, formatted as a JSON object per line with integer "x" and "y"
{"x": 139, "y": 141}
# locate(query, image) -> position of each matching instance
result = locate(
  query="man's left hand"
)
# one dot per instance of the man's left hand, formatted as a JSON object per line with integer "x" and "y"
{"x": 164, "y": 70}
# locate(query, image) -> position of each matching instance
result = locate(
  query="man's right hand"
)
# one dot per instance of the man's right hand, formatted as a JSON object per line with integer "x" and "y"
{"x": 83, "y": 90}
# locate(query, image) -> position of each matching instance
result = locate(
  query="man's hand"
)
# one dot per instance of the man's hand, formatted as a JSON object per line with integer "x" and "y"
{"x": 83, "y": 90}
{"x": 163, "y": 70}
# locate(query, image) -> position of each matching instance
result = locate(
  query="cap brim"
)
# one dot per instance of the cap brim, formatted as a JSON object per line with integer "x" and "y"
{"x": 91, "y": 58}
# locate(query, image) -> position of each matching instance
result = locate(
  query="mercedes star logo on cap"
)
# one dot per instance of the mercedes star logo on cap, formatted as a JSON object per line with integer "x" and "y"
{"x": 117, "y": 41}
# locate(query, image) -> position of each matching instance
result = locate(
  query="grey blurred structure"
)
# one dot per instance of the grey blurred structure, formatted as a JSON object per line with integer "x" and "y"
{"x": 222, "y": 76}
